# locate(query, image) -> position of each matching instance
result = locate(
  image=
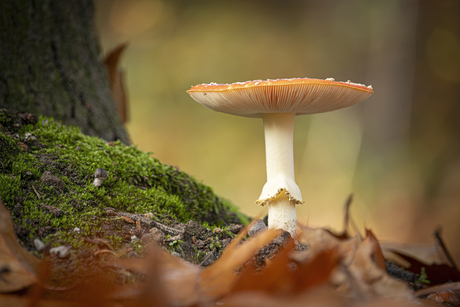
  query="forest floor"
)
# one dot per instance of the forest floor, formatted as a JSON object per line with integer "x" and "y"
{"x": 48, "y": 183}
{"x": 136, "y": 241}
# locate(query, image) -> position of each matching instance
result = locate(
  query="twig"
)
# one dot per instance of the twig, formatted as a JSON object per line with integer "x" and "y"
{"x": 347, "y": 211}
{"x": 138, "y": 217}
{"x": 437, "y": 235}
{"x": 36, "y": 192}
{"x": 348, "y": 218}
{"x": 207, "y": 257}
{"x": 454, "y": 286}
{"x": 167, "y": 228}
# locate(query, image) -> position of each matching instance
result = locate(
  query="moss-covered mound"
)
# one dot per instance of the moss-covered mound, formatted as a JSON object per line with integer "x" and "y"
{"x": 47, "y": 173}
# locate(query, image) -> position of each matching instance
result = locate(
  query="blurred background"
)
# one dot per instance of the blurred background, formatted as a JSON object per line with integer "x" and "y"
{"x": 398, "y": 152}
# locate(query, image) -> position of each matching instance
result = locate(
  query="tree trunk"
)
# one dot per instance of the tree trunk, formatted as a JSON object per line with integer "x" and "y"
{"x": 50, "y": 64}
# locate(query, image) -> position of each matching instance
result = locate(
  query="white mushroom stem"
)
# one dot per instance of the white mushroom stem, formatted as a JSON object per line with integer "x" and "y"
{"x": 282, "y": 214}
{"x": 279, "y": 135}
{"x": 281, "y": 192}
{"x": 98, "y": 182}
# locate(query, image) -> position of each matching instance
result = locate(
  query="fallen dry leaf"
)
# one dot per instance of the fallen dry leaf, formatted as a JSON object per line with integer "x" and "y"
{"x": 179, "y": 278}
{"x": 367, "y": 278}
{"x": 185, "y": 284}
{"x": 425, "y": 253}
{"x": 21, "y": 301}
{"x": 394, "y": 302}
{"x": 283, "y": 277}
{"x": 127, "y": 219}
{"x": 376, "y": 253}
{"x": 273, "y": 279}
{"x": 321, "y": 239}
{"x": 116, "y": 78}
{"x": 18, "y": 268}
{"x": 431, "y": 258}
{"x": 319, "y": 296}
{"x": 362, "y": 271}
{"x": 332, "y": 271}
{"x": 153, "y": 291}
{"x": 446, "y": 297}
{"x": 217, "y": 279}
{"x": 453, "y": 286}
{"x": 436, "y": 273}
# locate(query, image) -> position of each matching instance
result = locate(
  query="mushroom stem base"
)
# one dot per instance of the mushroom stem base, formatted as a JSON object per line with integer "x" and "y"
{"x": 282, "y": 214}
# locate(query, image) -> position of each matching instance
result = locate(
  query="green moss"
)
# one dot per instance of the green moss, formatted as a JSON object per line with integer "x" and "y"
{"x": 199, "y": 255}
{"x": 175, "y": 246}
{"x": 138, "y": 247}
{"x": 216, "y": 244}
{"x": 8, "y": 151}
{"x": 136, "y": 183}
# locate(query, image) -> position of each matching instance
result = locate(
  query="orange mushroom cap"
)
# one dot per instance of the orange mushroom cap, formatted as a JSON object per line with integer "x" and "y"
{"x": 297, "y": 95}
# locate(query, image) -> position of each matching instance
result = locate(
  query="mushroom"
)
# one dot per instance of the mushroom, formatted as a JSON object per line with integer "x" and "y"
{"x": 99, "y": 176}
{"x": 278, "y": 102}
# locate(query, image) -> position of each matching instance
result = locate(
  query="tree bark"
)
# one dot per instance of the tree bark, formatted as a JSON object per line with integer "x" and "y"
{"x": 50, "y": 64}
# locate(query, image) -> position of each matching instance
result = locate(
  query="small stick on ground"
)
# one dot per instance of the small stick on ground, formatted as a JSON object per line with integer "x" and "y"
{"x": 348, "y": 218}
{"x": 437, "y": 235}
{"x": 36, "y": 192}
{"x": 454, "y": 286}
{"x": 153, "y": 223}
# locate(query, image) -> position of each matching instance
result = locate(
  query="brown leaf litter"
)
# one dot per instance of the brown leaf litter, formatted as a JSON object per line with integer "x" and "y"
{"x": 334, "y": 270}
